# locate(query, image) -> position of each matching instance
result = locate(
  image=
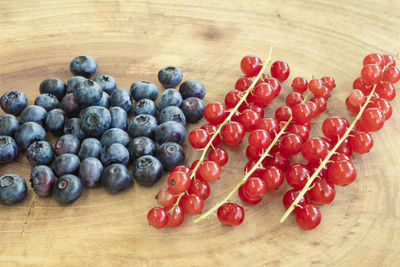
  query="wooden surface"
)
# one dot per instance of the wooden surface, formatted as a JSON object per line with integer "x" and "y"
{"x": 132, "y": 40}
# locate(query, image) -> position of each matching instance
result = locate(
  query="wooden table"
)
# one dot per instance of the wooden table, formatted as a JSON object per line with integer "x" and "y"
{"x": 132, "y": 40}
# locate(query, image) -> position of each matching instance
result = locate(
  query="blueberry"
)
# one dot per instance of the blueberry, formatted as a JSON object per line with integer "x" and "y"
{"x": 8, "y": 124}
{"x": 192, "y": 88}
{"x": 40, "y": 153}
{"x": 193, "y": 108}
{"x": 13, "y": 189}
{"x": 87, "y": 93}
{"x": 28, "y": 133}
{"x": 13, "y": 102}
{"x": 67, "y": 143}
{"x": 55, "y": 120}
{"x": 172, "y": 113}
{"x": 142, "y": 125}
{"x": 170, "y": 155}
{"x": 42, "y": 180}
{"x": 170, "y": 76}
{"x": 170, "y": 97}
{"x": 47, "y": 101}
{"x": 8, "y": 149}
{"x": 70, "y": 106}
{"x": 33, "y": 113}
{"x": 66, "y": 164}
{"x": 104, "y": 100}
{"x": 170, "y": 131}
{"x": 141, "y": 146}
{"x": 73, "y": 126}
{"x": 85, "y": 66}
{"x": 119, "y": 118}
{"x": 95, "y": 120}
{"x": 115, "y": 178}
{"x": 115, "y": 153}
{"x": 72, "y": 82}
{"x": 53, "y": 86}
{"x": 121, "y": 98}
{"x": 90, "y": 171}
{"x": 142, "y": 89}
{"x": 90, "y": 147}
{"x": 145, "y": 106}
{"x": 107, "y": 83}
{"x": 147, "y": 170}
{"x": 114, "y": 135}
{"x": 67, "y": 189}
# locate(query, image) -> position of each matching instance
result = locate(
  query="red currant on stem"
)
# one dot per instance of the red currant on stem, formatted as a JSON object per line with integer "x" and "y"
{"x": 192, "y": 204}
{"x": 251, "y": 65}
{"x": 280, "y": 70}
{"x": 292, "y": 99}
{"x": 273, "y": 177}
{"x": 308, "y": 217}
{"x": 179, "y": 182}
{"x": 299, "y": 84}
{"x": 200, "y": 188}
{"x": 230, "y": 214}
{"x": 243, "y": 83}
{"x": 289, "y": 198}
{"x": 209, "y": 171}
{"x": 157, "y": 217}
{"x": 219, "y": 156}
{"x": 215, "y": 113}
{"x": 198, "y": 138}
{"x": 175, "y": 218}
{"x": 166, "y": 197}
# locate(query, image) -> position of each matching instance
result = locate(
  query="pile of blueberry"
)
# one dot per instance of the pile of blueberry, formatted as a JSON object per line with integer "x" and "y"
{"x": 97, "y": 141}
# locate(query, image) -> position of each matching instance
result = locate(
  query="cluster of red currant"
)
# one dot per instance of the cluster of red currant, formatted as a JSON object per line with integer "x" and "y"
{"x": 271, "y": 144}
{"x": 332, "y": 154}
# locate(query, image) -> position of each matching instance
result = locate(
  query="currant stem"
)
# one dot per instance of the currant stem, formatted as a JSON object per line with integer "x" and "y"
{"x": 326, "y": 160}
{"x": 228, "y": 119}
{"x": 248, "y": 174}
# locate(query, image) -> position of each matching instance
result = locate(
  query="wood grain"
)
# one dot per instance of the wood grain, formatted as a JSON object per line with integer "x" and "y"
{"x": 132, "y": 40}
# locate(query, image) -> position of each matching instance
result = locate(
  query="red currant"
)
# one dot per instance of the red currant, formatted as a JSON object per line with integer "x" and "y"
{"x": 359, "y": 84}
{"x": 215, "y": 113}
{"x": 251, "y": 65}
{"x": 230, "y": 214}
{"x": 257, "y": 108}
{"x": 375, "y": 58}
{"x": 275, "y": 86}
{"x": 289, "y": 198}
{"x": 283, "y": 113}
{"x": 245, "y": 199}
{"x": 353, "y": 109}
{"x": 232, "y": 133}
{"x": 198, "y": 138}
{"x": 166, "y": 197}
{"x": 280, "y": 70}
{"x": 391, "y": 75}
{"x": 317, "y": 87}
{"x": 263, "y": 94}
{"x": 200, "y": 188}
{"x": 388, "y": 61}
{"x": 243, "y": 83}
{"x": 292, "y": 99}
{"x": 259, "y": 139}
{"x": 182, "y": 168}
{"x": 321, "y": 192}
{"x": 299, "y": 84}
{"x": 176, "y": 218}
{"x": 386, "y": 90}
{"x": 211, "y": 129}
{"x": 321, "y": 103}
{"x": 258, "y": 172}
{"x": 334, "y": 127}
{"x": 314, "y": 149}
{"x": 249, "y": 119}
{"x": 179, "y": 182}
{"x": 362, "y": 142}
{"x": 357, "y": 98}
{"x": 192, "y": 204}
{"x": 254, "y": 188}
{"x": 314, "y": 166}
{"x": 384, "y": 105}
{"x": 253, "y": 153}
{"x": 314, "y": 108}
{"x": 301, "y": 113}
{"x": 209, "y": 171}
{"x": 219, "y": 156}
{"x": 345, "y": 147}
{"x": 341, "y": 172}
{"x": 308, "y": 217}
{"x": 372, "y": 120}
{"x": 273, "y": 177}
{"x": 157, "y": 217}
{"x": 371, "y": 74}
{"x": 290, "y": 144}
{"x": 232, "y": 98}
{"x": 299, "y": 129}
{"x": 329, "y": 82}
{"x": 297, "y": 175}
{"x": 279, "y": 160}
